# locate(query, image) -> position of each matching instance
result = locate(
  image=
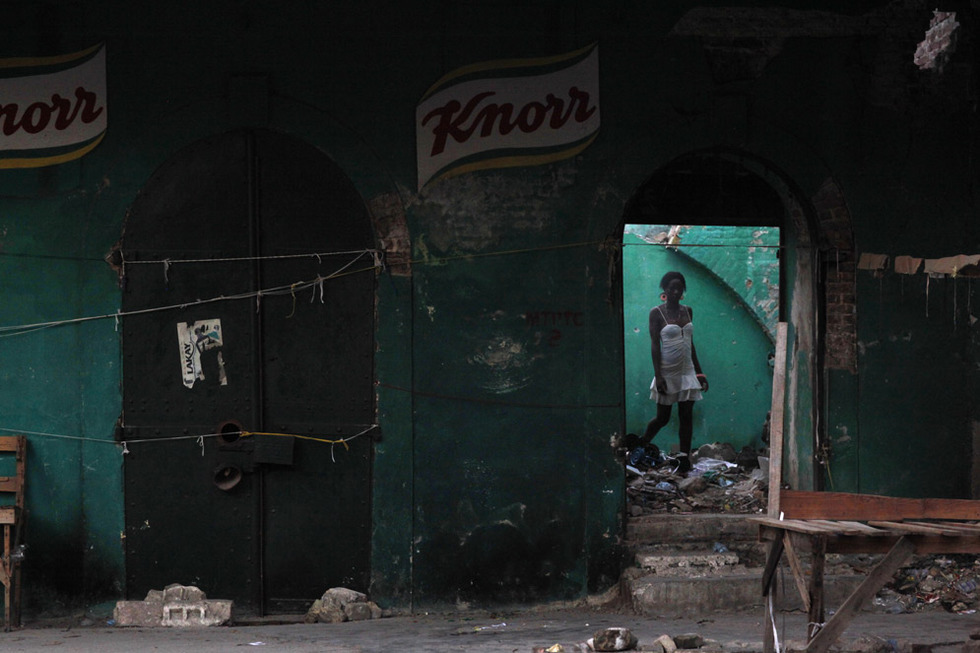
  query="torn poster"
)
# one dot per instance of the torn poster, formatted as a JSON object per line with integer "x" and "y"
{"x": 193, "y": 340}
{"x": 872, "y": 261}
{"x": 951, "y": 265}
{"x": 907, "y": 264}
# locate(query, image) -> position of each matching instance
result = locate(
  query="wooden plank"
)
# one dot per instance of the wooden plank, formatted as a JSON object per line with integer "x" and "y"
{"x": 949, "y": 529}
{"x": 815, "y": 616}
{"x": 905, "y": 527}
{"x": 799, "y": 504}
{"x": 924, "y": 544}
{"x": 765, "y": 521}
{"x": 797, "y": 568}
{"x": 801, "y": 526}
{"x": 10, "y": 442}
{"x": 837, "y": 527}
{"x": 772, "y": 563}
{"x": 881, "y": 574}
{"x": 859, "y": 528}
{"x": 961, "y": 528}
{"x": 8, "y": 515}
{"x": 776, "y": 422}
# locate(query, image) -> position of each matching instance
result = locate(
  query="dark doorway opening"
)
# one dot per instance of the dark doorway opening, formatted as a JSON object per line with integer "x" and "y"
{"x": 722, "y": 226}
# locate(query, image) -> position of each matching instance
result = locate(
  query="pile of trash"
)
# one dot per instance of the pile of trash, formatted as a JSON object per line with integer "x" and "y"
{"x": 949, "y": 582}
{"x": 720, "y": 480}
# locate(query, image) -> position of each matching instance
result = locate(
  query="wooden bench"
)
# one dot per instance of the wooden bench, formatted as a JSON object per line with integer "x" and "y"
{"x": 834, "y": 522}
{"x": 12, "y": 523}
{"x": 838, "y": 522}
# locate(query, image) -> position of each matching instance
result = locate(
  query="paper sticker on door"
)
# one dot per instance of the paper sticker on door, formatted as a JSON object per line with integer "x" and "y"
{"x": 195, "y": 339}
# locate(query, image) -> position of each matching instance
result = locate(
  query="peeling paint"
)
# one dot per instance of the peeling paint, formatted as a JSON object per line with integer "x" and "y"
{"x": 472, "y": 212}
{"x": 905, "y": 336}
{"x": 391, "y": 227}
{"x": 505, "y": 361}
{"x": 864, "y": 346}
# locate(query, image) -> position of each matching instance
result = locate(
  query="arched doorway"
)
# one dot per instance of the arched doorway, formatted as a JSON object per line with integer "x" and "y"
{"x": 725, "y": 189}
{"x": 236, "y": 479}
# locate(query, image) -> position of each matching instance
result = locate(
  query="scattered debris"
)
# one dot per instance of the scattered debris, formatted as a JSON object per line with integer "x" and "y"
{"x": 556, "y": 648}
{"x": 500, "y": 625}
{"x": 725, "y": 481}
{"x": 948, "y": 582}
{"x": 623, "y": 639}
{"x": 613, "y": 639}
{"x": 721, "y": 480}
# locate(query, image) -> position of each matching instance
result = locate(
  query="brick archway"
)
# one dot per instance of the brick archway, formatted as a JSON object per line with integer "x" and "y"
{"x": 836, "y": 242}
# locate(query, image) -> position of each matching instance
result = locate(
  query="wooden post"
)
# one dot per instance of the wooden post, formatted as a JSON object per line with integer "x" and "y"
{"x": 873, "y": 582}
{"x": 776, "y": 420}
{"x": 818, "y": 551}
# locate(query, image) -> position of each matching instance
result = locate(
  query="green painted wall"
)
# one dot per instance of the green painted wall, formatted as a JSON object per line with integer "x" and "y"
{"x": 500, "y": 361}
{"x": 732, "y": 346}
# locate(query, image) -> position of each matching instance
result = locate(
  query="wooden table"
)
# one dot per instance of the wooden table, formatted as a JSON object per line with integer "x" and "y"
{"x": 829, "y": 522}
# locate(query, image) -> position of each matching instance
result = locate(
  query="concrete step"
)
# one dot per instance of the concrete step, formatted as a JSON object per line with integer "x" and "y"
{"x": 687, "y": 563}
{"x": 678, "y": 570}
{"x": 738, "y": 590}
{"x": 696, "y": 528}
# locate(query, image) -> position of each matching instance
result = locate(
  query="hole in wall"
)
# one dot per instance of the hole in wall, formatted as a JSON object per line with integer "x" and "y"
{"x": 939, "y": 43}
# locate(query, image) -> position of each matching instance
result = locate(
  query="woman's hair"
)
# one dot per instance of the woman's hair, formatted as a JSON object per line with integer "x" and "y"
{"x": 670, "y": 276}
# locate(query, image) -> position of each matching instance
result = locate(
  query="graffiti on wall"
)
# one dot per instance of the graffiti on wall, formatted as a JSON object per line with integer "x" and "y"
{"x": 554, "y": 320}
{"x": 52, "y": 109}
{"x": 509, "y": 113}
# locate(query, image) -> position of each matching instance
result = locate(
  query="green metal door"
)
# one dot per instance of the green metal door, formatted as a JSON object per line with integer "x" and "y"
{"x": 248, "y": 337}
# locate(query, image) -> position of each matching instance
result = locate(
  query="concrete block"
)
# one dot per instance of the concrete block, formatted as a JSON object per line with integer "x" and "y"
{"x": 176, "y": 606}
{"x": 146, "y": 614}
{"x": 183, "y": 614}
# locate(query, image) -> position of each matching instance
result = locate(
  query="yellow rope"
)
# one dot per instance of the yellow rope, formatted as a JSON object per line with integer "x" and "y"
{"x": 245, "y": 434}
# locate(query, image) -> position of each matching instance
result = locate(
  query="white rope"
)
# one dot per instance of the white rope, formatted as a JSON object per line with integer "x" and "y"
{"x": 17, "y": 330}
{"x": 772, "y": 622}
{"x": 198, "y": 438}
{"x": 234, "y": 259}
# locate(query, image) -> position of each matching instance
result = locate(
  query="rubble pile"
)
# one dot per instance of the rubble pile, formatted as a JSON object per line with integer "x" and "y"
{"x": 720, "y": 480}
